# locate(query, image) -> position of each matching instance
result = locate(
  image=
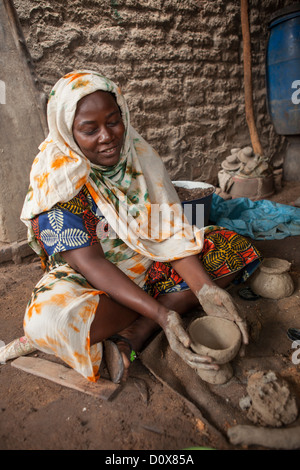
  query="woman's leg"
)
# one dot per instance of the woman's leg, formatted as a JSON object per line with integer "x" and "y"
{"x": 112, "y": 318}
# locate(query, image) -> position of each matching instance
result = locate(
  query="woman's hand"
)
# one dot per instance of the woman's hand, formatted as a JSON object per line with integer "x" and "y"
{"x": 180, "y": 341}
{"x": 214, "y": 300}
{"x": 217, "y": 302}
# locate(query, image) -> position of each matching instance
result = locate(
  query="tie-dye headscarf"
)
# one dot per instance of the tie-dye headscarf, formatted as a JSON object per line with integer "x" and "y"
{"x": 128, "y": 194}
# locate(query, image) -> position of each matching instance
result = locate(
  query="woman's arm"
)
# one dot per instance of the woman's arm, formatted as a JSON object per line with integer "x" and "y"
{"x": 193, "y": 272}
{"x": 104, "y": 275}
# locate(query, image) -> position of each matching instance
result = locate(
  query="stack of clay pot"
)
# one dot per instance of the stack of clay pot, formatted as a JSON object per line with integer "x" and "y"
{"x": 245, "y": 162}
{"x": 245, "y": 174}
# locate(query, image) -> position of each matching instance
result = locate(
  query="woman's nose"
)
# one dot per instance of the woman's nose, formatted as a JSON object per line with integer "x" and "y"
{"x": 104, "y": 135}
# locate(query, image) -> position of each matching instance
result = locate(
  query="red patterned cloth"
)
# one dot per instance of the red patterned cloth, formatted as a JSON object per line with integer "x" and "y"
{"x": 224, "y": 252}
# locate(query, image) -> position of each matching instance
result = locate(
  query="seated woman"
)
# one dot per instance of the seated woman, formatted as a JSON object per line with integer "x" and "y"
{"x": 109, "y": 280}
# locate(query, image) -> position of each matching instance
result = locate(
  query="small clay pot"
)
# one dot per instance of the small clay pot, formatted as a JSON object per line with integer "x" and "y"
{"x": 272, "y": 279}
{"x": 221, "y": 340}
{"x": 215, "y": 337}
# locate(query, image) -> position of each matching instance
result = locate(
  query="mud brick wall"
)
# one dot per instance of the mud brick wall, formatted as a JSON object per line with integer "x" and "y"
{"x": 179, "y": 64}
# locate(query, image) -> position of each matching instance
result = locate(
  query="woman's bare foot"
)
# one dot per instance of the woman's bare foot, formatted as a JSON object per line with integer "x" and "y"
{"x": 137, "y": 334}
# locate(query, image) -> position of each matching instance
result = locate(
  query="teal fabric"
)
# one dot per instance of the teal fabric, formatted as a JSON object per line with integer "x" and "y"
{"x": 259, "y": 220}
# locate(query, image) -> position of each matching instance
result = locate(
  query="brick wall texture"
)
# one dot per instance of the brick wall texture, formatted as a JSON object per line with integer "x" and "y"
{"x": 179, "y": 63}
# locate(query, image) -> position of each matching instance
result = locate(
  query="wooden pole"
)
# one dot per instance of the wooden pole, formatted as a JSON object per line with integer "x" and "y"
{"x": 257, "y": 148}
{"x": 28, "y": 69}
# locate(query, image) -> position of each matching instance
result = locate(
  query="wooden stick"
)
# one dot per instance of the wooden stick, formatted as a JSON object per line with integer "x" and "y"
{"x": 62, "y": 375}
{"x": 257, "y": 148}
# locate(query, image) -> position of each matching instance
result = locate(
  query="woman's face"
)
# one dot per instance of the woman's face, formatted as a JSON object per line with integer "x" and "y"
{"x": 98, "y": 128}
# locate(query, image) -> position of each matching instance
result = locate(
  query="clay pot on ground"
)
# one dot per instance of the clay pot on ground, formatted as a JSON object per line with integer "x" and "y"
{"x": 272, "y": 279}
{"x": 221, "y": 340}
{"x": 254, "y": 188}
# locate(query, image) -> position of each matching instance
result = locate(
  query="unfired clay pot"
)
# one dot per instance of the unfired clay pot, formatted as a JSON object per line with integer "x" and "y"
{"x": 272, "y": 279}
{"x": 254, "y": 188}
{"x": 218, "y": 338}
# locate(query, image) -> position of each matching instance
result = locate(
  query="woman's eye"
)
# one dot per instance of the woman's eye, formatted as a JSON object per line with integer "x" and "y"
{"x": 112, "y": 124}
{"x": 91, "y": 132}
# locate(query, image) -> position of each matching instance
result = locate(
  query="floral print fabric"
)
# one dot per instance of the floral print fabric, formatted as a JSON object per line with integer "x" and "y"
{"x": 224, "y": 252}
{"x": 69, "y": 225}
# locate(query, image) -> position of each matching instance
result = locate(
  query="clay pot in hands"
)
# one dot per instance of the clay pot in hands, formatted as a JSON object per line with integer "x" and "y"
{"x": 221, "y": 340}
{"x": 272, "y": 279}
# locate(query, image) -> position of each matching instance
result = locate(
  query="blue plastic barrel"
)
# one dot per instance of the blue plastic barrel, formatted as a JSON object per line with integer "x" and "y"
{"x": 283, "y": 70}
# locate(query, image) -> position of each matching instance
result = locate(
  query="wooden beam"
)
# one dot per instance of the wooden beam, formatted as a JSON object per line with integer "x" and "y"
{"x": 65, "y": 376}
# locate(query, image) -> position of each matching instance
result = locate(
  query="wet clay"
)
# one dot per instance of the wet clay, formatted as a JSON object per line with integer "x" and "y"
{"x": 270, "y": 401}
{"x": 185, "y": 194}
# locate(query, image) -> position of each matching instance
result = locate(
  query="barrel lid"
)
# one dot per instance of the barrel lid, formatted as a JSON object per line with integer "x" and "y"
{"x": 288, "y": 10}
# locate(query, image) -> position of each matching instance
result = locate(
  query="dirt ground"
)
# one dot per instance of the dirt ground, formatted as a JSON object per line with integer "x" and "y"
{"x": 37, "y": 414}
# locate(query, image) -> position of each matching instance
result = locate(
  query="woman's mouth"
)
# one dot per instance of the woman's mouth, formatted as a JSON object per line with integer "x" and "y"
{"x": 109, "y": 152}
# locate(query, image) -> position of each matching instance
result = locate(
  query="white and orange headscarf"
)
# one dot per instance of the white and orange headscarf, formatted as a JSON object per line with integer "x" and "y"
{"x": 125, "y": 193}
